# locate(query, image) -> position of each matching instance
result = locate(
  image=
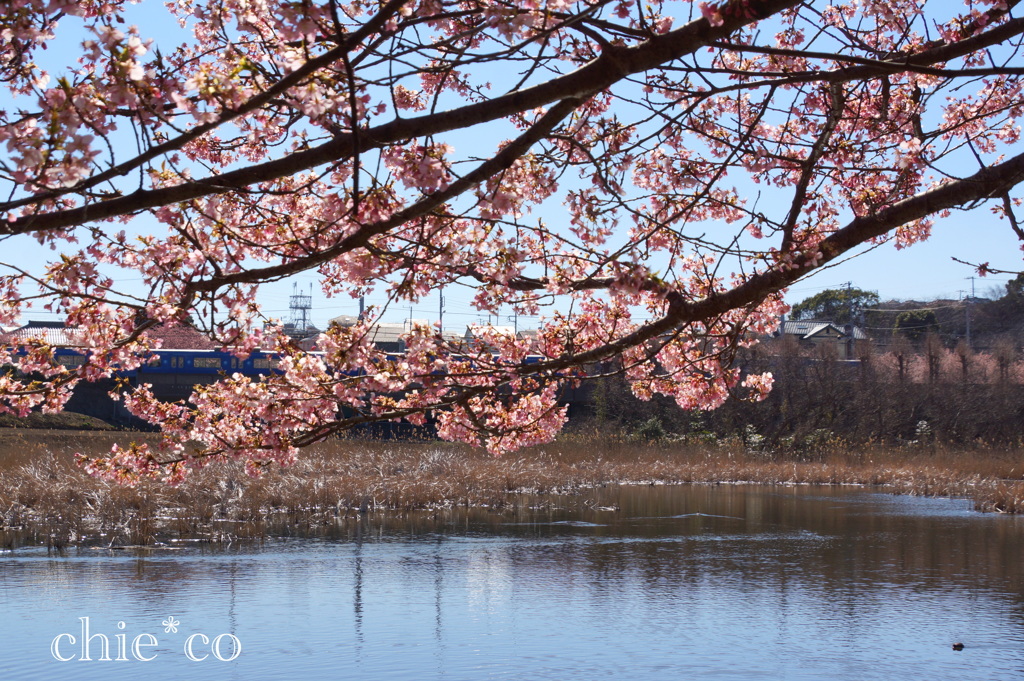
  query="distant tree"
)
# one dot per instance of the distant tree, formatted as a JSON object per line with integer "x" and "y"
{"x": 835, "y": 304}
{"x": 991, "y": 319}
{"x": 1005, "y": 356}
{"x": 965, "y": 358}
{"x": 901, "y": 352}
{"x": 934, "y": 353}
{"x": 1015, "y": 292}
{"x": 915, "y": 324}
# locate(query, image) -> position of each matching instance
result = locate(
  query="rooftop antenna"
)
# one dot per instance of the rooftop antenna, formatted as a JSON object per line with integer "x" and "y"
{"x": 300, "y": 306}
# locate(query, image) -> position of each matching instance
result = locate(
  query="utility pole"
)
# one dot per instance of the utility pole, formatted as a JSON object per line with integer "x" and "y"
{"x": 967, "y": 312}
{"x": 440, "y": 310}
{"x": 849, "y": 300}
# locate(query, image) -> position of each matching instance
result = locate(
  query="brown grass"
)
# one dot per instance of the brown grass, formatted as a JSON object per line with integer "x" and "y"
{"x": 46, "y": 499}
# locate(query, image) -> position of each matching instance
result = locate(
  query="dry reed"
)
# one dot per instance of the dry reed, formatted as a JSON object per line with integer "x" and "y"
{"x": 46, "y": 499}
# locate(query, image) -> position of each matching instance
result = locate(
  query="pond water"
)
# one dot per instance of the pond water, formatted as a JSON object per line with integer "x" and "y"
{"x": 724, "y": 582}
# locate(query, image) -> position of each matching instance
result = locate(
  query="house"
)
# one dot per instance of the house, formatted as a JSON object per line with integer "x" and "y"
{"x": 473, "y": 337}
{"x": 386, "y": 336}
{"x": 472, "y": 332}
{"x": 181, "y": 337}
{"x": 54, "y": 334}
{"x": 301, "y": 334}
{"x": 60, "y": 335}
{"x": 531, "y": 335}
{"x": 813, "y": 332}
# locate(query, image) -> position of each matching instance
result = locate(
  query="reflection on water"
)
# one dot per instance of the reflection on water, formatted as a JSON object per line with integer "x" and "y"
{"x": 727, "y": 582}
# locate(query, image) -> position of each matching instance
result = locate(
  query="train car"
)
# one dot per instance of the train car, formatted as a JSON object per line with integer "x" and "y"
{"x": 208, "y": 363}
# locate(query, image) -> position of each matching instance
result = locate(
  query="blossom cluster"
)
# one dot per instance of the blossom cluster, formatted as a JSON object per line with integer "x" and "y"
{"x": 644, "y": 178}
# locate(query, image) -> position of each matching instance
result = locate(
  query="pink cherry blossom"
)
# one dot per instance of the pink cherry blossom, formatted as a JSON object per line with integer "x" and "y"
{"x": 644, "y": 179}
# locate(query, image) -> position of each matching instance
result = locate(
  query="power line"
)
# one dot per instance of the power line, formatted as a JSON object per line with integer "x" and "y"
{"x": 911, "y": 309}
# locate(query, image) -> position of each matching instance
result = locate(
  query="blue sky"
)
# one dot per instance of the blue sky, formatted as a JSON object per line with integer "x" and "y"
{"x": 923, "y": 271}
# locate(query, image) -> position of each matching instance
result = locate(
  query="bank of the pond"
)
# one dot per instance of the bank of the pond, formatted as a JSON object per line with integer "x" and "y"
{"x": 45, "y": 498}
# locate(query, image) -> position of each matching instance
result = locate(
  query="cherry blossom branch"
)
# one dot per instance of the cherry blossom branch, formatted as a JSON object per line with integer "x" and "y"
{"x": 985, "y": 184}
{"x": 252, "y": 104}
{"x": 611, "y": 66}
{"x": 362, "y": 237}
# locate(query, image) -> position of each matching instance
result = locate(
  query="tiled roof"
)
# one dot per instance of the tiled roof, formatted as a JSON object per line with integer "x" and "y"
{"x": 54, "y": 334}
{"x": 471, "y": 331}
{"x": 805, "y": 329}
{"x": 182, "y": 338}
{"x": 344, "y": 320}
{"x": 383, "y": 332}
{"x": 808, "y": 328}
{"x": 387, "y": 333}
{"x": 59, "y": 335}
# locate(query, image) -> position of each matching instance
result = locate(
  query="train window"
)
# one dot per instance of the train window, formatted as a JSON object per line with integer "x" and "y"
{"x": 206, "y": 362}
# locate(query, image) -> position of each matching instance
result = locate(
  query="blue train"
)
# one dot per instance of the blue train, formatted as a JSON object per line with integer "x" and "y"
{"x": 202, "y": 362}
{"x": 174, "y": 374}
